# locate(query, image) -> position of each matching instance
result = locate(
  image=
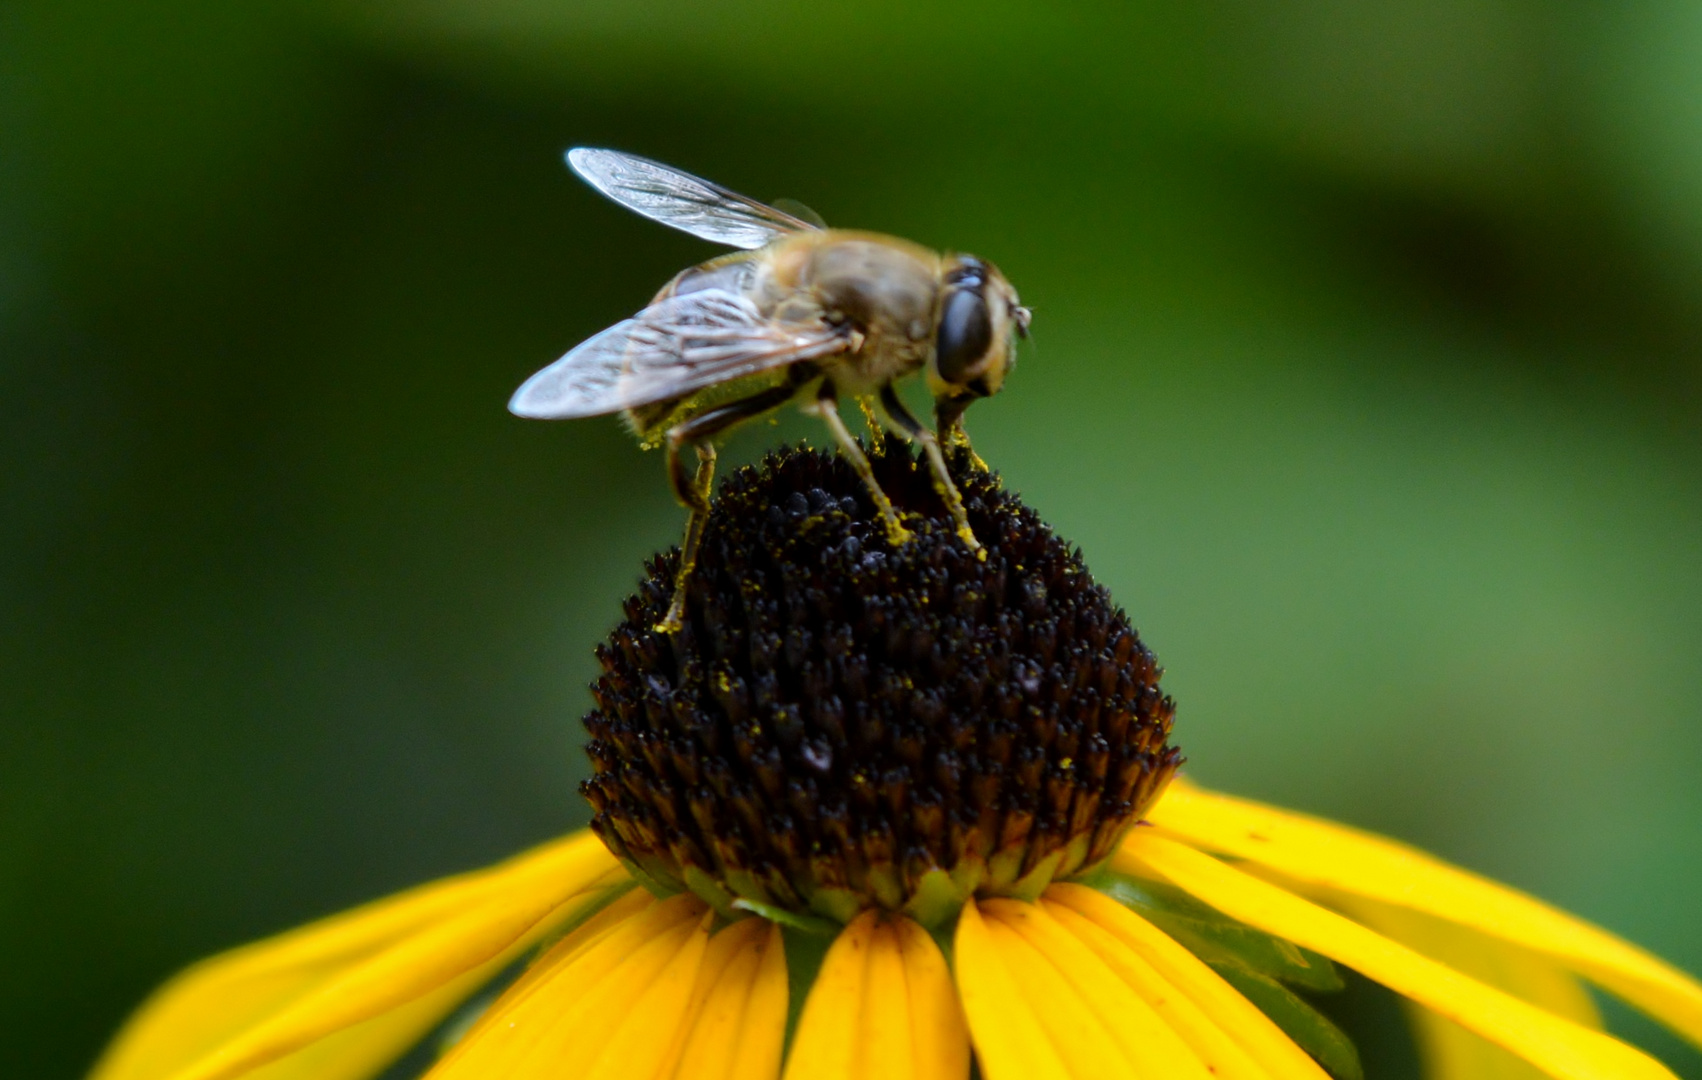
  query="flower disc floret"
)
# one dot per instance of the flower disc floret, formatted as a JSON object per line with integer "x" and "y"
{"x": 844, "y": 725}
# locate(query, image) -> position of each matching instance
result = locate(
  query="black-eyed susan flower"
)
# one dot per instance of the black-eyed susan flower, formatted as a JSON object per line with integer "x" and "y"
{"x": 872, "y": 814}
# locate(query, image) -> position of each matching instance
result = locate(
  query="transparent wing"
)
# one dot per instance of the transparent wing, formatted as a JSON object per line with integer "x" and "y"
{"x": 707, "y": 211}
{"x": 670, "y": 349}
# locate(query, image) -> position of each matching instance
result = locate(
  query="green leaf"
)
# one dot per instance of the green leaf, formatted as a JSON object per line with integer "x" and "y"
{"x": 1215, "y": 937}
{"x": 1311, "y": 1030}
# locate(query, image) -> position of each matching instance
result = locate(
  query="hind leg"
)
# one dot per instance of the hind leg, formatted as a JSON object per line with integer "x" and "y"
{"x": 693, "y": 490}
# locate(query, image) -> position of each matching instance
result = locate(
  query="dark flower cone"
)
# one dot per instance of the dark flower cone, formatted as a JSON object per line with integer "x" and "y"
{"x": 843, "y": 725}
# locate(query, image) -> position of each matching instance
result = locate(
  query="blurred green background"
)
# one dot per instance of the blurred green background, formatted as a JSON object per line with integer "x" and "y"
{"x": 1368, "y": 375}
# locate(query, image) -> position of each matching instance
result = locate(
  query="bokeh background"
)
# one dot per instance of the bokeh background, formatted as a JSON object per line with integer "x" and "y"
{"x": 1368, "y": 375}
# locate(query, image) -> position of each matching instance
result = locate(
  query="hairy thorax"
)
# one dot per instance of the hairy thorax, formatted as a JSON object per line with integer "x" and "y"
{"x": 884, "y": 288}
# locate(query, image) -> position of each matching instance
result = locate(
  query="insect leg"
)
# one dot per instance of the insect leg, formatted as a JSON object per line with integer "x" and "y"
{"x": 693, "y": 490}
{"x": 877, "y": 434}
{"x": 948, "y": 425}
{"x": 913, "y": 428}
{"x": 827, "y": 407}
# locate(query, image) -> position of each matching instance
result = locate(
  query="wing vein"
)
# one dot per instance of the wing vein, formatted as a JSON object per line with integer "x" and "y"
{"x": 683, "y": 201}
{"x": 671, "y": 349}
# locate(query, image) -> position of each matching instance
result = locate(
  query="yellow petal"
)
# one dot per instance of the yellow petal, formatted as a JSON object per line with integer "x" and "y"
{"x": 414, "y": 966}
{"x": 731, "y": 956}
{"x": 1072, "y": 1031}
{"x": 1251, "y": 1029}
{"x": 616, "y": 932}
{"x": 219, "y": 1000}
{"x": 640, "y": 1043}
{"x": 737, "y": 1026}
{"x": 1009, "y": 1041}
{"x": 364, "y": 1050}
{"x": 1555, "y": 1045}
{"x": 1222, "y": 1055}
{"x": 606, "y": 1001}
{"x": 1333, "y": 856}
{"x": 763, "y": 1036}
{"x": 1072, "y": 986}
{"x": 884, "y": 1046}
{"x": 879, "y": 986}
{"x": 1450, "y": 1052}
{"x": 937, "y": 1028}
{"x": 825, "y": 1041}
{"x": 612, "y": 919}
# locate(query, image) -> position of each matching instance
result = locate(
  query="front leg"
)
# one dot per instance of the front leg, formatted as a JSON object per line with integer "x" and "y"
{"x": 948, "y": 423}
{"x": 943, "y": 484}
{"x": 826, "y": 406}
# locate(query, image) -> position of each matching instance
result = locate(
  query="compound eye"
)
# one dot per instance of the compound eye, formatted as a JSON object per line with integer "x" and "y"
{"x": 966, "y": 333}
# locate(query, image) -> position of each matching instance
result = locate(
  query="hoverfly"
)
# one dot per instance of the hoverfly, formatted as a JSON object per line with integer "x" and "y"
{"x": 803, "y": 311}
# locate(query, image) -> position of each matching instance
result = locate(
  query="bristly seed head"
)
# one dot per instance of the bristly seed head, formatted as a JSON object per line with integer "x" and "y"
{"x": 843, "y": 725}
